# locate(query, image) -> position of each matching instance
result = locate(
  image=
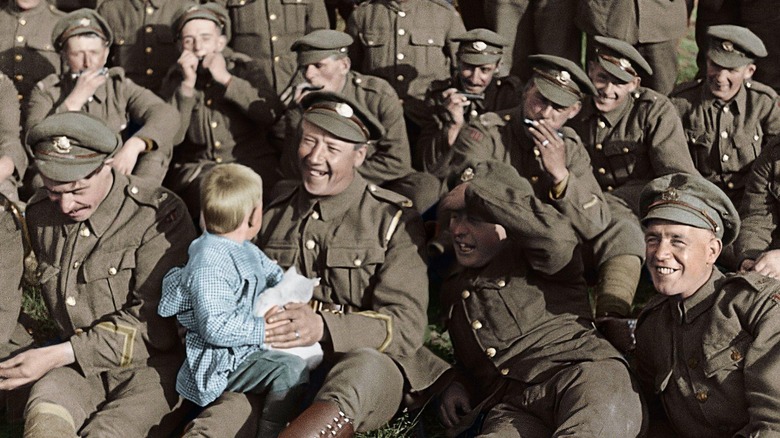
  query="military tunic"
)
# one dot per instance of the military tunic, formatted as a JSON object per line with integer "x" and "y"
{"x": 117, "y": 102}
{"x": 501, "y": 94}
{"x": 407, "y": 44}
{"x": 10, "y": 143}
{"x": 144, "y": 42}
{"x": 514, "y": 322}
{"x": 11, "y": 269}
{"x": 26, "y": 52}
{"x": 760, "y": 209}
{"x": 712, "y": 358}
{"x": 633, "y": 144}
{"x": 100, "y": 280}
{"x": 222, "y": 125}
{"x": 265, "y": 30}
{"x": 502, "y": 137}
{"x": 725, "y": 139}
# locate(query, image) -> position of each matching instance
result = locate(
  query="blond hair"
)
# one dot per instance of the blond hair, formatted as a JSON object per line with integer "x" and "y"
{"x": 228, "y": 194}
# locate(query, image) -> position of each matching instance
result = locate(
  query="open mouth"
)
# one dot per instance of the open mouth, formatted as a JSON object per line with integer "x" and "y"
{"x": 663, "y": 270}
{"x": 464, "y": 247}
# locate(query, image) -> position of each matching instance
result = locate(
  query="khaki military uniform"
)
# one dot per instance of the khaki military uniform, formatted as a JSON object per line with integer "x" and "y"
{"x": 500, "y": 94}
{"x": 118, "y": 102}
{"x": 26, "y": 52}
{"x": 144, "y": 42}
{"x": 407, "y": 44}
{"x": 10, "y": 143}
{"x": 100, "y": 280}
{"x": 633, "y": 144}
{"x": 265, "y": 29}
{"x": 528, "y": 25}
{"x": 760, "y": 209}
{"x": 654, "y": 27}
{"x": 12, "y": 335}
{"x": 367, "y": 249}
{"x": 222, "y": 125}
{"x": 724, "y": 140}
{"x": 712, "y": 358}
{"x": 528, "y": 358}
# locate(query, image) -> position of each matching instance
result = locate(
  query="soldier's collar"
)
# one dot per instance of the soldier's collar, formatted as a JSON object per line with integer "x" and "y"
{"x": 702, "y": 300}
{"x": 106, "y": 213}
{"x": 614, "y": 116}
{"x": 332, "y": 207}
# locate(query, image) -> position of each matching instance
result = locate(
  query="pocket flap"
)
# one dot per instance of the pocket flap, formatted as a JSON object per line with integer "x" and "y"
{"x": 105, "y": 265}
{"x": 349, "y": 257}
{"x": 373, "y": 39}
{"x": 718, "y": 358}
{"x": 613, "y": 148}
{"x": 426, "y": 39}
{"x": 46, "y": 272}
{"x": 282, "y": 253}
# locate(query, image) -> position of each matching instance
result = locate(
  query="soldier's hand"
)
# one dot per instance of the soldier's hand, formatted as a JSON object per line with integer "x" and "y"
{"x": 188, "y": 63}
{"x": 215, "y": 63}
{"x": 455, "y": 403}
{"x": 768, "y": 264}
{"x": 619, "y": 331}
{"x": 303, "y": 326}
{"x": 455, "y": 103}
{"x": 86, "y": 85}
{"x": 552, "y": 150}
{"x": 126, "y": 157}
{"x": 747, "y": 265}
{"x": 31, "y": 365}
{"x": 6, "y": 167}
{"x": 455, "y": 200}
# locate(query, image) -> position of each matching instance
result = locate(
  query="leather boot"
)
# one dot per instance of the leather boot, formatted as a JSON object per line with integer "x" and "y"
{"x": 321, "y": 419}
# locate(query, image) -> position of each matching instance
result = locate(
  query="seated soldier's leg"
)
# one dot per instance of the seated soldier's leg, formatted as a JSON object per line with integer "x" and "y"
{"x": 14, "y": 401}
{"x": 140, "y": 402}
{"x": 505, "y": 420}
{"x": 233, "y": 414}
{"x": 364, "y": 387}
{"x": 60, "y": 402}
{"x": 589, "y": 399}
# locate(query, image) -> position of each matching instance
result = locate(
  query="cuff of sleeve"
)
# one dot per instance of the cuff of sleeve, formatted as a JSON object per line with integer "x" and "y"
{"x": 559, "y": 190}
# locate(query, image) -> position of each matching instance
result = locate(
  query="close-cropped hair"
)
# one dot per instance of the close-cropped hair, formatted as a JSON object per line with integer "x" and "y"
{"x": 228, "y": 194}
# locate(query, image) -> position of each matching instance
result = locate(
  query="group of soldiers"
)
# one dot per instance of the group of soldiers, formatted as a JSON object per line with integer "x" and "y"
{"x": 402, "y": 152}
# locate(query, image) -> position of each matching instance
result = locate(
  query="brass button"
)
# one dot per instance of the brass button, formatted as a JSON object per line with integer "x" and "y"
{"x": 725, "y": 109}
{"x": 315, "y": 215}
{"x": 217, "y": 144}
{"x": 120, "y": 41}
{"x": 274, "y": 38}
{"x": 504, "y": 371}
{"x": 148, "y": 29}
{"x": 610, "y": 188}
{"x": 84, "y": 232}
{"x": 474, "y": 113}
{"x": 534, "y": 179}
{"x": 490, "y": 351}
{"x": 358, "y": 262}
{"x": 22, "y": 21}
{"x": 272, "y": 17}
{"x": 401, "y": 14}
{"x": 78, "y": 331}
{"x": 149, "y": 10}
{"x": 310, "y": 244}
{"x": 19, "y": 78}
{"x": 724, "y": 134}
{"x": 148, "y": 50}
{"x": 149, "y": 72}
{"x": 725, "y": 157}
{"x": 372, "y": 188}
{"x": 400, "y": 56}
{"x": 19, "y": 97}
{"x": 736, "y": 355}
{"x": 602, "y": 171}
{"x": 209, "y": 102}
{"x": 756, "y": 137}
{"x": 599, "y": 146}
{"x": 507, "y": 117}
{"x": 276, "y": 59}
{"x": 401, "y": 32}
{"x": 476, "y": 324}
{"x": 112, "y": 271}
{"x": 730, "y": 185}
{"x": 17, "y": 57}
{"x": 625, "y": 150}
{"x": 242, "y": 2}
{"x": 702, "y": 396}
{"x": 19, "y": 39}
{"x": 501, "y": 283}
{"x": 218, "y": 160}
{"x": 134, "y": 190}
{"x": 465, "y": 294}
{"x": 602, "y": 124}
{"x": 693, "y": 363}
{"x": 213, "y": 124}
{"x": 76, "y": 265}
{"x": 400, "y": 77}
{"x": 430, "y": 40}
{"x": 71, "y": 301}
{"x": 358, "y": 81}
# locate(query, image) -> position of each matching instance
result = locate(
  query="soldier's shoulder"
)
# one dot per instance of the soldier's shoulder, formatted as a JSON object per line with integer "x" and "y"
{"x": 37, "y": 197}
{"x": 54, "y": 11}
{"x": 372, "y": 83}
{"x": 440, "y": 85}
{"x": 48, "y": 82}
{"x": 149, "y": 195}
{"x": 760, "y": 89}
{"x": 643, "y": 94}
{"x": 508, "y": 82}
{"x": 750, "y": 288}
{"x": 283, "y": 193}
{"x": 116, "y": 73}
{"x": 490, "y": 120}
{"x": 238, "y": 57}
{"x": 443, "y": 4}
{"x": 570, "y": 134}
{"x": 652, "y": 305}
{"x": 388, "y": 197}
{"x": 687, "y": 88}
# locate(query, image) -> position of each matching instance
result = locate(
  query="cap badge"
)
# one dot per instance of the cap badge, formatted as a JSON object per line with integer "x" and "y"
{"x": 670, "y": 194}
{"x": 467, "y": 175}
{"x": 479, "y": 46}
{"x": 727, "y": 46}
{"x": 625, "y": 63}
{"x": 84, "y": 22}
{"x": 62, "y": 145}
{"x": 344, "y": 110}
{"x": 563, "y": 77}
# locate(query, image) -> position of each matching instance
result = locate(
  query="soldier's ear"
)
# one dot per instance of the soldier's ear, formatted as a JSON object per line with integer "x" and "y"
{"x": 221, "y": 43}
{"x": 574, "y": 109}
{"x": 715, "y": 246}
{"x": 360, "y": 154}
{"x": 749, "y": 70}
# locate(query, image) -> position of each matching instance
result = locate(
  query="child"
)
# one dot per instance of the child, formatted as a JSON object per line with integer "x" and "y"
{"x": 213, "y": 297}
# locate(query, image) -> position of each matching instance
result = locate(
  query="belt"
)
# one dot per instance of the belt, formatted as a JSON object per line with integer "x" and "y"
{"x": 319, "y": 306}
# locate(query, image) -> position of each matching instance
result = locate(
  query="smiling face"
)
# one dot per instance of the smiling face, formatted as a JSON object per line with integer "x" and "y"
{"x": 476, "y": 242}
{"x": 680, "y": 258}
{"x": 202, "y": 37}
{"x": 611, "y": 91}
{"x": 327, "y": 164}
{"x": 724, "y": 83}
{"x": 329, "y": 73}
{"x": 537, "y": 107}
{"x": 78, "y": 200}
{"x": 476, "y": 78}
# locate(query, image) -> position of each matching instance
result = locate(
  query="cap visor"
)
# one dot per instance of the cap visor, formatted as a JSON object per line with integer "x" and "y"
{"x": 727, "y": 60}
{"x": 554, "y": 93}
{"x": 677, "y": 214}
{"x": 66, "y": 171}
{"x": 332, "y": 123}
{"x": 616, "y": 71}
{"x": 479, "y": 59}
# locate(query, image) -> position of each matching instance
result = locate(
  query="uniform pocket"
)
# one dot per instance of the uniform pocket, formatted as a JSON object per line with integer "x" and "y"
{"x": 116, "y": 269}
{"x": 622, "y": 157}
{"x": 351, "y": 268}
{"x": 721, "y": 357}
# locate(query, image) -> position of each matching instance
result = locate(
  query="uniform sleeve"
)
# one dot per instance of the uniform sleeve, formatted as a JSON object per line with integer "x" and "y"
{"x": 316, "y": 17}
{"x": 390, "y": 157}
{"x": 476, "y": 142}
{"x": 436, "y": 151}
{"x": 10, "y": 143}
{"x": 40, "y": 104}
{"x": 759, "y": 207}
{"x": 11, "y": 268}
{"x": 771, "y": 123}
{"x": 665, "y": 139}
{"x": 159, "y": 122}
{"x": 261, "y": 106}
{"x": 135, "y": 332}
{"x": 395, "y": 318}
{"x": 583, "y": 201}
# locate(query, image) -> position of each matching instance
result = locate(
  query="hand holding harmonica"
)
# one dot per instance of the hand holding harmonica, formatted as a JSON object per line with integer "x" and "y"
{"x": 87, "y": 82}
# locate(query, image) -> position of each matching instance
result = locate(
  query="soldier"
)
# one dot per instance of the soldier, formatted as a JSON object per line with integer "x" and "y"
{"x": 224, "y": 118}
{"x": 531, "y": 137}
{"x": 758, "y": 241}
{"x": 83, "y": 38}
{"x": 265, "y": 30}
{"x": 103, "y": 243}
{"x": 473, "y": 90}
{"x": 526, "y": 26}
{"x": 370, "y": 309}
{"x": 706, "y": 343}
{"x": 533, "y": 370}
{"x": 13, "y": 159}
{"x": 26, "y": 52}
{"x": 323, "y": 62}
{"x": 654, "y": 27}
{"x": 144, "y": 43}
{"x": 409, "y": 44}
